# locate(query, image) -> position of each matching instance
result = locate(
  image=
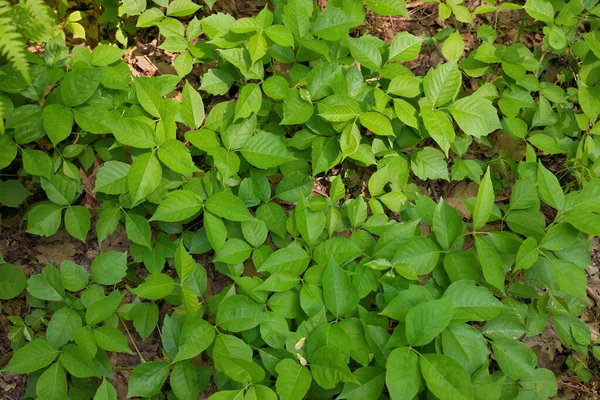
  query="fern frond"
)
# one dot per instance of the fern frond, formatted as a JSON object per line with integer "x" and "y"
{"x": 40, "y": 25}
{"x": 11, "y": 43}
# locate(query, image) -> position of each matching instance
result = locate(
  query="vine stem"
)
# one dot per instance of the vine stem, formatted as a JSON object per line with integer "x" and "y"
{"x": 132, "y": 341}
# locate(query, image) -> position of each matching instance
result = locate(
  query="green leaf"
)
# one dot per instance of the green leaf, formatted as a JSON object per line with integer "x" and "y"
{"x": 296, "y": 17}
{"x": 104, "y": 55}
{"x": 77, "y": 362}
{"x": 515, "y": 358}
{"x": 527, "y": 254}
{"x": 58, "y": 122}
{"x": 403, "y": 373}
{"x": 418, "y": 252}
{"x": 60, "y": 189}
{"x": 134, "y": 7}
{"x": 12, "y": 281}
{"x": 101, "y": 309}
{"x": 36, "y": 162}
{"x": 149, "y": 97}
{"x": 447, "y": 225}
{"x": 138, "y": 230}
{"x": 377, "y": 123}
{"x": 112, "y": 178}
{"x": 329, "y": 367}
{"x": 236, "y": 135}
{"x": 365, "y": 52}
{"x": 293, "y": 380}
{"x": 145, "y": 317}
{"x": 47, "y": 285}
{"x": 148, "y": 378}
{"x": 442, "y": 83}
{"x": 32, "y": 357}
{"x": 234, "y": 357}
{"x": 195, "y": 337}
{"x": 405, "y": 47}
{"x": 540, "y": 10}
{"x": 234, "y": 251}
{"x": 192, "y": 107}
{"x": 289, "y": 259}
{"x": 280, "y": 34}
{"x": 52, "y": 384}
{"x": 156, "y": 286}
{"x": 466, "y": 345}
{"x": 438, "y": 125}
{"x": 485, "y": 201}
{"x": 491, "y": 263}
{"x": 216, "y": 82}
{"x": 178, "y": 206}
{"x": 326, "y": 153}
{"x": 182, "y": 8}
{"x": 549, "y": 188}
{"x": 177, "y": 157}
{"x": 44, "y": 219}
{"x": 111, "y": 339}
{"x": 132, "y": 132}
{"x": 475, "y": 115}
{"x": 62, "y": 327}
{"x": 238, "y": 313}
{"x": 472, "y": 303}
{"x": 453, "y": 47}
{"x": 106, "y": 390}
{"x": 184, "y": 263}
{"x": 445, "y": 378}
{"x": 427, "y": 320}
{"x": 8, "y": 151}
{"x": 79, "y": 84}
{"x": 108, "y": 220}
{"x": 371, "y": 381}
{"x": 265, "y": 150}
{"x": 428, "y": 163}
{"x": 109, "y": 268}
{"x": 78, "y": 222}
{"x": 388, "y": 7}
{"x": 339, "y": 293}
{"x": 144, "y": 177}
{"x": 559, "y": 237}
{"x": 249, "y": 101}
{"x": 543, "y": 384}
{"x": 570, "y": 277}
{"x": 227, "y": 206}
{"x": 183, "y": 380}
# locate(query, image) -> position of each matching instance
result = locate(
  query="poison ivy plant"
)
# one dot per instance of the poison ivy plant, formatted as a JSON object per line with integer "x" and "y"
{"x": 299, "y": 168}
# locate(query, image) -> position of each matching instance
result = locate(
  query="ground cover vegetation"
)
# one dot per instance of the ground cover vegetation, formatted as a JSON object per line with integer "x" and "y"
{"x": 305, "y": 170}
